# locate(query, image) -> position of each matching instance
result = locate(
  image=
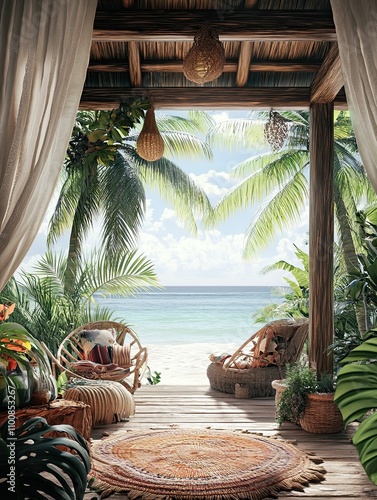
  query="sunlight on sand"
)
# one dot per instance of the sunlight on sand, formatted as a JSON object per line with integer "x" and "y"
{"x": 184, "y": 364}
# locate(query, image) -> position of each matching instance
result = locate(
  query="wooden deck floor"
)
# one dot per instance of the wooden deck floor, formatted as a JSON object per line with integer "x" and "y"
{"x": 199, "y": 407}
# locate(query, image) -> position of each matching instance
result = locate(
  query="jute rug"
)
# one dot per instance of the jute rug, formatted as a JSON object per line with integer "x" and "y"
{"x": 200, "y": 464}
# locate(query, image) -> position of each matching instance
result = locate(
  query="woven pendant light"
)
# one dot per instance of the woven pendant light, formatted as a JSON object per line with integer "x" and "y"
{"x": 206, "y": 58}
{"x": 150, "y": 145}
{"x": 275, "y": 130}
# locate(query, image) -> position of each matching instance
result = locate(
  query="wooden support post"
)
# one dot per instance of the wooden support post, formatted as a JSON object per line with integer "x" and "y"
{"x": 321, "y": 237}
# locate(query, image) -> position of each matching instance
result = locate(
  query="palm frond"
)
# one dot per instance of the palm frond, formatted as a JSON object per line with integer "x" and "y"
{"x": 237, "y": 134}
{"x": 123, "y": 201}
{"x": 281, "y": 208}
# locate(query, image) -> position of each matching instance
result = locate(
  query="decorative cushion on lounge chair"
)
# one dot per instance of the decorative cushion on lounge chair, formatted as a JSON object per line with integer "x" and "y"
{"x": 261, "y": 359}
{"x": 86, "y": 352}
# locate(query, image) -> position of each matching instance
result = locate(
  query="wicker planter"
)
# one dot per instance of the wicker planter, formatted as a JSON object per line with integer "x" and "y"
{"x": 256, "y": 380}
{"x": 321, "y": 415}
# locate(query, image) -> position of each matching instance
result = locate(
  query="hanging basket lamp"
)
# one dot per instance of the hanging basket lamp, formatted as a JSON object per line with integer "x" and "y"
{"x": 275, "y": 130}
{"x": 150, "y": 145}
{"x": 206, "y": 58}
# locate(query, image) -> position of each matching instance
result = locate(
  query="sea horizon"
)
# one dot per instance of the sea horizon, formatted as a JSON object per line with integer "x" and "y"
{"x": 186, "y": 314}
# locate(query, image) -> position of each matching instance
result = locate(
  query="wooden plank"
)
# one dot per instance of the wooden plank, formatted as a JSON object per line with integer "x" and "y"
{"x": 329, "y": 79}
{"x": 243, "y": 64}
{"x": 244, "y": 25}
{"x": 134, "y": 64}
{"x": 281, "y": 66}
{"x": 205, "y": 97}
{"x": 344, "y": 479}
{"x": 321, "y": 238}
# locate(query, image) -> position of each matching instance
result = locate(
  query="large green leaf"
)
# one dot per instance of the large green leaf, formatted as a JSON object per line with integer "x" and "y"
{"x": 36, "y": 453}
{"x": 356, "y": 398}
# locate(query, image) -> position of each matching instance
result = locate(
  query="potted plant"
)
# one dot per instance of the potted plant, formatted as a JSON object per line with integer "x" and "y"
{"x": 309, "y": 401}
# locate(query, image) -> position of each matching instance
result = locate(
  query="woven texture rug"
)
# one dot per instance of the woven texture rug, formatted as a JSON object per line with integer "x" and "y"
{"x": 200, "y": 464}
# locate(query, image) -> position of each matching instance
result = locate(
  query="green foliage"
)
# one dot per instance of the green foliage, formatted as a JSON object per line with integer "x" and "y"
{"x": 363, "y": 285}
{"x": 97, "y": 135}
{"x": 39, "y": 467}
{"x": 296, "y": 299}
{"x": 153, "y": 378}
{"x": 50, "y": 312}
{"x": 33, "y": 371}
{"x": 300, "y": 381}
{"x": 356, "y": 398}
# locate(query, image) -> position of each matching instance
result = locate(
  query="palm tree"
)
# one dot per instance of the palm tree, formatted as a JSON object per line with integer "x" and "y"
{"x": 49, "y": 312}
{"x": 103, "y": 176}
{"x": 278, "y": 180}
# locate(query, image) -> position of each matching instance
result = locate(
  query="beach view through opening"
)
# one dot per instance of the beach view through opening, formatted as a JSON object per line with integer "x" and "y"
{"x": 182, "y": 325}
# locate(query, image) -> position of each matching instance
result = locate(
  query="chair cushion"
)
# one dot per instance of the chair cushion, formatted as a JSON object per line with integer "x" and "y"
{"x": 100, "y": 354}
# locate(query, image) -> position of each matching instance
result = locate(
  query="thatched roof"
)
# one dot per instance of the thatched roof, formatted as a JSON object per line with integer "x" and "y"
{"x": 279, "y": 53}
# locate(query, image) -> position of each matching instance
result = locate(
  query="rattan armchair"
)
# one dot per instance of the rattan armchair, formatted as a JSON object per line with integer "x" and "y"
{"x": 261, "y": 359}
{"x": 72, "y": 356}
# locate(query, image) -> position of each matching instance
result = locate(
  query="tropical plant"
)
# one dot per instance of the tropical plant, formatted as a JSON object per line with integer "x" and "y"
{"x": 34, "y": 463}
{"x": 362, "y": 288}
{"x": 300, "y": 380}
{"x": 356, "y": 398}
{"x": 25, "y": 370}
{"x": 278, "y": 180}
{"x": 104, "y": 177}
{"x": 49, "y": 312}
{"x": 296, "y": 299}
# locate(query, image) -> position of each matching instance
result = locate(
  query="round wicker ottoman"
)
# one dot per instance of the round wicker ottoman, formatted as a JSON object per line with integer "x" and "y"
{"x": 110, "y": 402}
{"x": 257, "y": 380}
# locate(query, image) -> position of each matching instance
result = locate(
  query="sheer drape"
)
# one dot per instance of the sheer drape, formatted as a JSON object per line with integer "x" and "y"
{"x": 44, "y": 52}
{"x": 356, "y": 29}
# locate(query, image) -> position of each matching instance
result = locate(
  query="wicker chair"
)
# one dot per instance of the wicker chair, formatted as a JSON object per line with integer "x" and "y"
{"x": 72, "y": 356}
{"x": 261, "y": 359}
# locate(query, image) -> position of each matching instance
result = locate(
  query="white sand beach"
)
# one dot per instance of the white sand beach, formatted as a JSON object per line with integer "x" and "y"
{"x": 184, "y": 364}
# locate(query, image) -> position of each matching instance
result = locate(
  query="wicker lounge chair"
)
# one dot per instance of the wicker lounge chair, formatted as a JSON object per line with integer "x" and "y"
{"x": 103, "y": 350}
{"x": 261, "y": 359}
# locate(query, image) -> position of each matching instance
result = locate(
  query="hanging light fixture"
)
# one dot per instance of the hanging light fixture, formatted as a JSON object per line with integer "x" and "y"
{"x": 150, "y": 145}
{"x": 206, "y": 58}
{"x": 275, "y": 130}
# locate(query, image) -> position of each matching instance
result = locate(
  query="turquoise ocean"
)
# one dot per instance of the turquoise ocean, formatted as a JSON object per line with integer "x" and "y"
{"x": 193, "y": 314}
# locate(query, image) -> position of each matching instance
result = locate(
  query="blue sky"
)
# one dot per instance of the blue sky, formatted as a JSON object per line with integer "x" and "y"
{"x": 213, "y": 257}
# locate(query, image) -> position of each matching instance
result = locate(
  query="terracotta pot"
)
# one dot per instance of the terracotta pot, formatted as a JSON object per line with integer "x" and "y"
{"x": 321, "y": 415}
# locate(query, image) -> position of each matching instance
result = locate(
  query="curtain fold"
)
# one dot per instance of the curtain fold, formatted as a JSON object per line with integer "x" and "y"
{"x": 356, "y": 29}
{"x": 44, "y": 54}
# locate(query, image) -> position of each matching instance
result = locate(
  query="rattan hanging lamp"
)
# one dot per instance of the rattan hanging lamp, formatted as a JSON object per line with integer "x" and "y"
{"x": 150, "y": 145}
{"x": 206, "y": 58}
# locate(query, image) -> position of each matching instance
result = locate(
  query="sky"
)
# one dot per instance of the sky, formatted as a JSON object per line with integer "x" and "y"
{"x": 213, "y": 257}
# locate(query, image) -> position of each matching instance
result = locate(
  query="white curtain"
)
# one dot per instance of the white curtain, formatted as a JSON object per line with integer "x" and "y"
{"x": 356, "y": 29}
{"x": 44, "y": 53}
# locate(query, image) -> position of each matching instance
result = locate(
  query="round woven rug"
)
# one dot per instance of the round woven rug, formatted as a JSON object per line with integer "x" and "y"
{"x": 200, "y": 464}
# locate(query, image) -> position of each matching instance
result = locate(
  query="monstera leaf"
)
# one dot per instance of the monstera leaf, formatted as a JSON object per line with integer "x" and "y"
{"x": 35, "y": 463}
{"x": 356, "y": 398}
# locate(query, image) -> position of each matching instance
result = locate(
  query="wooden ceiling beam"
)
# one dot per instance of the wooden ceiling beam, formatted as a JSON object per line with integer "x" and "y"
{"x": 243, "y": 66}
{"x": 329, "y": 79}
{"x": 231, "y": 66}
{"x": 241, "y": 25}
{"x": 244, "y": 57}
{"x": 134, "y": 64}
{"x": 206, "y": 97}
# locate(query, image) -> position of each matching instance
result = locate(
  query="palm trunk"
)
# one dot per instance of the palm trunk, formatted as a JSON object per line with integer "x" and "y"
{"x": 349, "y": 254}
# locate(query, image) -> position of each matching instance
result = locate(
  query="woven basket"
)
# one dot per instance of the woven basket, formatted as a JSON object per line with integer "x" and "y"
{"x": 321, "y": 415}
{"x": 258, "y": 380}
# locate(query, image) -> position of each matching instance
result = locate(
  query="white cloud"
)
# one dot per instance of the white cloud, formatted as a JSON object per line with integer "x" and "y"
{"x": 221, "y": 117}
{"x": 213, "y": 182}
